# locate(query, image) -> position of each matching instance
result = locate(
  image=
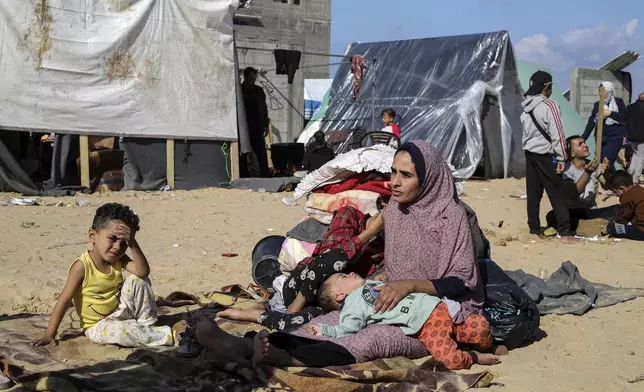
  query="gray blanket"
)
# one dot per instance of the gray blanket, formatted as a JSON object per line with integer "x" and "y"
{"x": 566, "y": 292}
{"x": 272, "y": 185}
{"x": 309, "y": 230}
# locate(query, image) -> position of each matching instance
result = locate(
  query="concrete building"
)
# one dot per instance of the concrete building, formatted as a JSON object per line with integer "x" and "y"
{"x": 303, "y": 25}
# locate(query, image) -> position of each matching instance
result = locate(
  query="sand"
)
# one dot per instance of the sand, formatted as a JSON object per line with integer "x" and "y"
{"x": 184, "y": 234}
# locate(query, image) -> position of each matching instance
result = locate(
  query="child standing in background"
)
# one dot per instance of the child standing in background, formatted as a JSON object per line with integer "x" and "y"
{"x": 112, "y": 310}
{"x": 388, "y": 117}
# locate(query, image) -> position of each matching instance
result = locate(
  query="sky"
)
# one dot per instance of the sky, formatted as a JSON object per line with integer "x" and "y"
{"x": 559, "y": 34}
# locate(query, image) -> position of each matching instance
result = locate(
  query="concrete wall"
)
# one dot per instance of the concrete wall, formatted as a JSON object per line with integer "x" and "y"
{"x": 584, "y": 90}
{"x": 284, "y": 24}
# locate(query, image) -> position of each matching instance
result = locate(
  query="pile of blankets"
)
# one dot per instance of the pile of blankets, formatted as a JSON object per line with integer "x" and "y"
{"x": 357, "y": 179}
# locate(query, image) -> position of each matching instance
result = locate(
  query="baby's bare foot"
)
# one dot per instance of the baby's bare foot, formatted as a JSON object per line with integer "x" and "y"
{"x": 500, "y": 350}
{"x": 487, "y": 359}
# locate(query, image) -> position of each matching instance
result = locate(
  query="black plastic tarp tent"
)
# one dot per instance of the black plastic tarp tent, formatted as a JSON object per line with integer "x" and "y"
{"x": 460, "y": 93}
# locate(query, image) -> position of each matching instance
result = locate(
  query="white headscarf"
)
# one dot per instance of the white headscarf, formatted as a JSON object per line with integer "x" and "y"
{"x": 609, "y": 102}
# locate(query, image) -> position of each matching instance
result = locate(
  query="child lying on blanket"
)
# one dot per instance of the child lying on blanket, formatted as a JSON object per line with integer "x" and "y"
{"x": 111, "y": 310}
{"x": 421, "y": 314}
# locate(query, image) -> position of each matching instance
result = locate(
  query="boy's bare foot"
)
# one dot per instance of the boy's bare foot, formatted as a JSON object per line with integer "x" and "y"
{"x": 569, "y": 240}
{"x": 250, "y": 315}
{"x": 265, "y": 353}
{"x": 260, "y": 347}
{"x": 486, "y": 359}
{"x": 229, "y": 348}
{"x": 500, "y": 350}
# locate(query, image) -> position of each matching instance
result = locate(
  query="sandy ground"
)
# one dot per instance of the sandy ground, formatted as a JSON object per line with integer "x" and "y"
{"x": 185, "y": 233}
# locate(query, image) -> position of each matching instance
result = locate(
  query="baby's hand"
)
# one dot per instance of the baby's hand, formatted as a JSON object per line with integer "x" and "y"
{"x": 45, "y": 340}
{"x": 314, "y": 330}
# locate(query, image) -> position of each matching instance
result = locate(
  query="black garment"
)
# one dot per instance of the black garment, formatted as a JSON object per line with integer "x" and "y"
{"x": 286, "y": 321}
{"x": 541, "y": 173}
{"x": 312, "y": 353}
{"x": 288, "y": 62}
{"x": 635, "y": 125}
{"x": 317, "y": 154}
{"x": 450, "y": 287}
{"x": 580, "y": 213}
{"x": 259, "y": 148}
{"x": 481, "y": 243}
{"x": 257, "y": 120}
{"x": 307, "y": 279}
{"x": 628, "y": 232}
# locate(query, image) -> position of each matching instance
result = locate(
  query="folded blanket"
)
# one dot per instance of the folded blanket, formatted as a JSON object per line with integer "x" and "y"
{"x": 321, "y": 206}
{"x": 293, "y": 251}
{"x": 373, "y": 181}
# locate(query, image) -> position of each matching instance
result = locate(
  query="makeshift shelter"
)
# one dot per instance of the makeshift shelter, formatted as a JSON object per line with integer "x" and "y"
{"x": 116, "y": 68}
{"x": 460, "y": 93}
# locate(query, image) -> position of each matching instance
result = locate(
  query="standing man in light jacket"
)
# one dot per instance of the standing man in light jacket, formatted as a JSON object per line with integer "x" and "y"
{"x": 545, "y": 152}
{"x": 635, "y": 134}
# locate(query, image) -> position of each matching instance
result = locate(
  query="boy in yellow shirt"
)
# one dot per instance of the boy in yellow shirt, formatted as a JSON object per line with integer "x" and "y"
{"x": 112, "y": 310}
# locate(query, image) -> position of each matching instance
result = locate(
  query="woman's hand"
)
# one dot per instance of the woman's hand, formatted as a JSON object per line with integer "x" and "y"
{"x": 607, "y": 113}
{"x": 375, "y": 224}
{"x": 389, "y": 295}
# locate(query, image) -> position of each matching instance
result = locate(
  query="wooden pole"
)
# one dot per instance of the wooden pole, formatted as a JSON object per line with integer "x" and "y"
{"x": 169, "y": 156}
{"x": 234, "y": 161}
{"x": 268, "y": 140}
{"x": 600, "y": 123}
{"x": 84, "y": 161}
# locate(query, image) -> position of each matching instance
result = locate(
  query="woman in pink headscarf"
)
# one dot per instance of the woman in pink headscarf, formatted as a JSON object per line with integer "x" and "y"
{"x": 428, "y": 241}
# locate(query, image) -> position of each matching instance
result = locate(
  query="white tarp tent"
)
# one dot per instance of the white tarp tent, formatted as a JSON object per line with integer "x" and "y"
{"x": 140, "y": 68}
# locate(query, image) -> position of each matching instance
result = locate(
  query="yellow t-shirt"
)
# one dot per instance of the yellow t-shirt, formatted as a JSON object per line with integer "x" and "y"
{"x": 99, "y": 293}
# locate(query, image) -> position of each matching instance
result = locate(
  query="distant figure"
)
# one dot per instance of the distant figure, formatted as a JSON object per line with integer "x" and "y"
{"x": 629, "y": 222}
{"x": 317, "y": 153}
{"x": 388, "y": 117}
{"x": 615, "y": 117}
{"x": 256, "y": 117}
{"x": 545, "y": 154}
{"x": 581, "y": 177}
{"x": 635, "y": 135}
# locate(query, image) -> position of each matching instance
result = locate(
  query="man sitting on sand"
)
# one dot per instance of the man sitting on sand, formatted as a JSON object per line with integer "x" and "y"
{"x": 581, "y": 177}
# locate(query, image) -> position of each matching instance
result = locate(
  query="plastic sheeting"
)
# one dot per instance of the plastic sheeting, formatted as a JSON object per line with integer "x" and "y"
{"x": 141, "y": 68}
{"x": 437, "y": 87}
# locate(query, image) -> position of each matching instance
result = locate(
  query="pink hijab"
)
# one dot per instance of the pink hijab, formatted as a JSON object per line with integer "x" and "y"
{"x": 430, "y": 238}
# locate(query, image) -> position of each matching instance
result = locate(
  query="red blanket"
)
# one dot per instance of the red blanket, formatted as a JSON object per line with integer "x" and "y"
{"x": 378, "y": 183}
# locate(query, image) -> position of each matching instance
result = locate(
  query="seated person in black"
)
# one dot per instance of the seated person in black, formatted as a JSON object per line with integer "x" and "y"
{"x": 317, "y": 153}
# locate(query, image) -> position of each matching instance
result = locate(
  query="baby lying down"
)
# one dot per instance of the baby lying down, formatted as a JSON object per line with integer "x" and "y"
{"x": 422, "y": 315}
